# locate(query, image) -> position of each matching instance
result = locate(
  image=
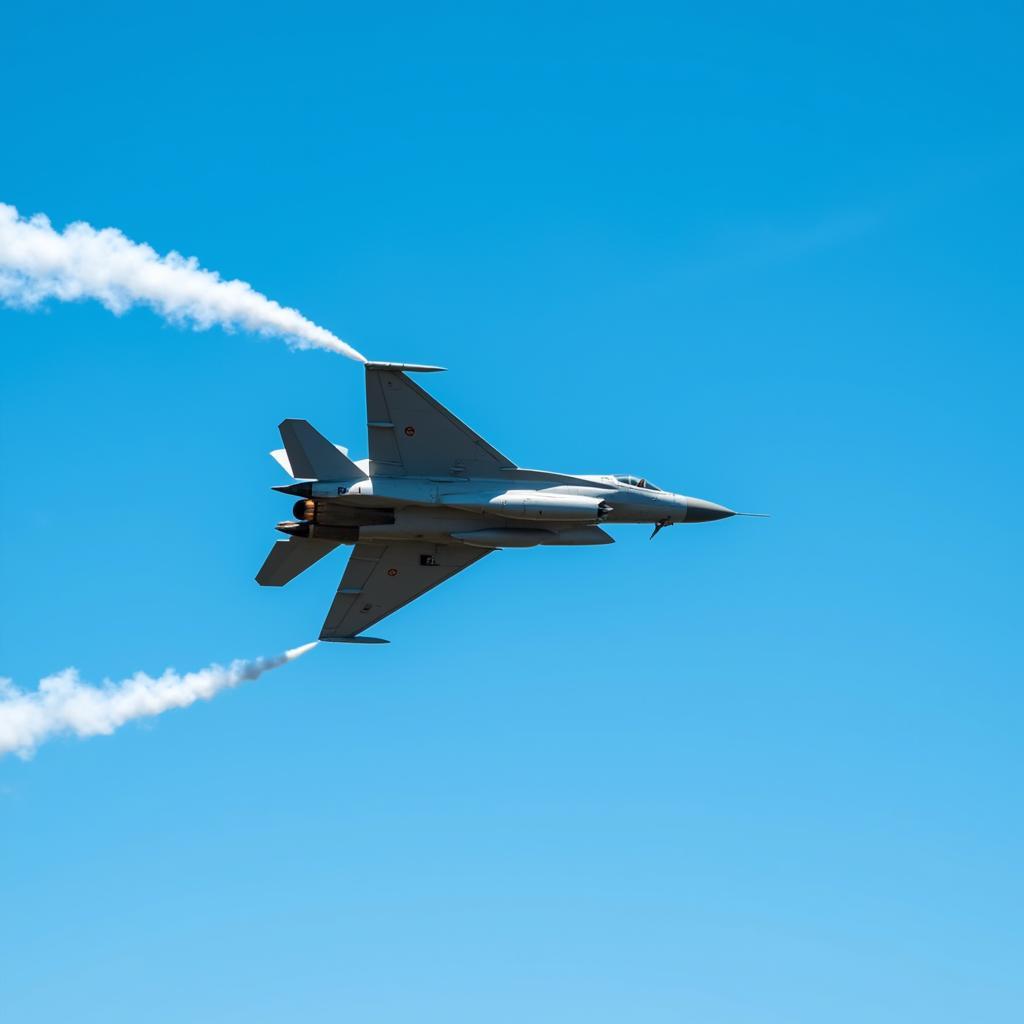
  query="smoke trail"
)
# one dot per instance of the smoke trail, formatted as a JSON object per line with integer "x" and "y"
{"x": 38, "y": 263}
{"x": 63, "y": 703}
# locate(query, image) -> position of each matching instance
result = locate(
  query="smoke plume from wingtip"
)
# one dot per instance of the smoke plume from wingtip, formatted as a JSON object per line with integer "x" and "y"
{"x": 62, "y": 703}
{"x": 298, "y": 652}
{"x": 39, "y": 263}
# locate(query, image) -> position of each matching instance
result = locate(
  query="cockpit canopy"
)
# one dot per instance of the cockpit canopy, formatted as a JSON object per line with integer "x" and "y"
{"x": 636, "y": 481}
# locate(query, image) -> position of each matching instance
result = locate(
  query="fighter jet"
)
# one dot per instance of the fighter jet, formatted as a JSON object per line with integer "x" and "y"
{"x": 433, "y": 498}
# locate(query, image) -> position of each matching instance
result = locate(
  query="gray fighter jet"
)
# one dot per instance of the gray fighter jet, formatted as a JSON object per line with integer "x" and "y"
{"x": 433, "y": 498}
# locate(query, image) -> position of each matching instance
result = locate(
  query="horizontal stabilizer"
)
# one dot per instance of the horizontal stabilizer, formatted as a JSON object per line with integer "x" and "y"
{"x": 280, "y": 456}
{"x": 311, "y": 456}
{"x": 288, "y": 558}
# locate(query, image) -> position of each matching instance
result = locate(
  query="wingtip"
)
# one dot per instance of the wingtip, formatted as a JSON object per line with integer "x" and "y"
{"x": 353, "y": 639}
{"x": 405, "y": 367}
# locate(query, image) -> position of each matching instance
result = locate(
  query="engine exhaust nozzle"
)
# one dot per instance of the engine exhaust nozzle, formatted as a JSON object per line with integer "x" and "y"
{"x": 294, "y": 529}
{"x": 314, "y": 531}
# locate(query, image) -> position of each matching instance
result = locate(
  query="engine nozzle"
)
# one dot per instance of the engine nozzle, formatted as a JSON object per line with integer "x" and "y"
{"x": 314, "y": 531}
{"x": 305, "y": 509}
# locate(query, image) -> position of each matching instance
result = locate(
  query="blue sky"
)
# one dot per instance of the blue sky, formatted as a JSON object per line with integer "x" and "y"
{"x": 754, "y": 771}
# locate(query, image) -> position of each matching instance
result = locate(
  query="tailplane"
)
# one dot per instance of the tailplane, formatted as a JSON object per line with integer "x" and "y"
{"x": 288, "y": 558}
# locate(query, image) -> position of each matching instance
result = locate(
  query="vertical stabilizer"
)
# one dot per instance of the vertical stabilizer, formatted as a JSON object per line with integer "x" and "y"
{"x": 312, "y": 457}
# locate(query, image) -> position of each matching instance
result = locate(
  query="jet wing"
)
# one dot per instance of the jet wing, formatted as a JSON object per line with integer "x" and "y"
{"x": 381, "y": 578}
{"x": 411, "y": 434}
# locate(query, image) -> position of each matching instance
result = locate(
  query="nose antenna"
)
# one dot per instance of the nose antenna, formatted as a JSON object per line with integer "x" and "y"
{"x": 755, "y": 515}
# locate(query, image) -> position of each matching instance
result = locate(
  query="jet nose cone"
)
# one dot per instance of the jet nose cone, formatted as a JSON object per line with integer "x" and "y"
{"x": 700, "y": 511}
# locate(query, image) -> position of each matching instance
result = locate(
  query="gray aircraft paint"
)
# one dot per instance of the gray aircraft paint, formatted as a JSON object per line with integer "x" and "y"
{"x": 432, "y": 498}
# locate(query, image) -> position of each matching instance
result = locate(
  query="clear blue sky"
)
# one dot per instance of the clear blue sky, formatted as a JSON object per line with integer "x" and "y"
{"x": 756, "y": 771}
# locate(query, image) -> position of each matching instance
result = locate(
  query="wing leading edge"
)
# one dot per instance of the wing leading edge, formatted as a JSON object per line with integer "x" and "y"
{"x": 381, "y": 578}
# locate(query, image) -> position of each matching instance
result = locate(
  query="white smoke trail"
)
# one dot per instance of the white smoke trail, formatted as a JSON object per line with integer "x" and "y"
{"x": 39, "y": 263}
{"x": 63, "y": 703}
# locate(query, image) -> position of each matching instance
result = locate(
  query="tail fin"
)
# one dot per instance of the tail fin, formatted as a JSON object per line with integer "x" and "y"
{"x": 312, "y": 457}
{"x": 288, "y": 558}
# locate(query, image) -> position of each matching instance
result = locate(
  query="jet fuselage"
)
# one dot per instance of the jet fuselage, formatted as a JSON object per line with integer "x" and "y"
{"x": 447, "y": 509}
{"x": 432, "y": 499}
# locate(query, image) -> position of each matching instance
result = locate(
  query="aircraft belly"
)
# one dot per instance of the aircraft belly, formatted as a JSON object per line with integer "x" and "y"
{"x": 422, "y": 522}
